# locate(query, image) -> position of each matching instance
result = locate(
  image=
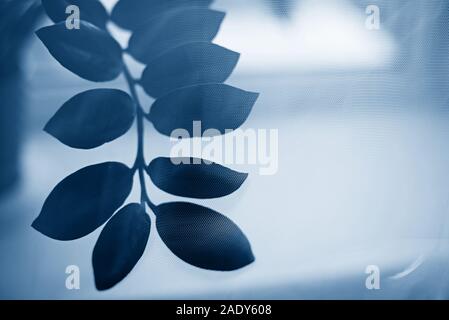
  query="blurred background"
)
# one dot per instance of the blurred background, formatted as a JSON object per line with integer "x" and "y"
{"x": 363, "y": 157}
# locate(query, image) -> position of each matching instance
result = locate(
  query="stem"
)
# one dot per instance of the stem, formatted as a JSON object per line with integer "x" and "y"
{"x": 139, "y": 164}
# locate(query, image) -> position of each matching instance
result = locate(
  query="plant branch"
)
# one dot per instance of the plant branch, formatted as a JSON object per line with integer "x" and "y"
{"x": 139, "y": 164}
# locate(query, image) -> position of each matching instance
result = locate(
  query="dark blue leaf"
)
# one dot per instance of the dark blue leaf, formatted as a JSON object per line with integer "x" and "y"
{"x": 173, "y": 29}
{"x": 90, "y": 10}
{"x": 84, "y": 200}
{"x": 89, "y": 52}
{"x": 92, "y": 118}
{"x": 120, "y": 245}
{"x": 188, "y": 177}
{"x": 130, "y": 14}
{"x": 190, "y": 64}
{"x": 203, "y": 237}
{"x": 217, "y": 106}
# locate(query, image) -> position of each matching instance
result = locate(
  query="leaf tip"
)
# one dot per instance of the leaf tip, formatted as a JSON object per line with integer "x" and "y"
{"x": 35, "y": 224}
{"x": 40, "y": 33}
{"x": 236, "y": 55}
{"x": 251, "y": 259}
{"x": 253, "y": 96}
{"x": 234, "y": 58}
{"x": 244, "y": 176}
{"x": 38, "y": 226}
{"x": 220, "y": 14}
{"x": 103, "y": 285}
{"x": 48, "y": 127}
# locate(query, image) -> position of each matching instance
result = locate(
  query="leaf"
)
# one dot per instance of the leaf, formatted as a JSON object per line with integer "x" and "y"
{"x": 92, "y": 118}
{"x": 129, "y": 14}
{"x": 194, "y": 180}
{"x": 217, "y": 106}
{"x": 203, "y": 237}
{"x": 173, "y": 29}
{"x": 91, "y": 11}
{"x": 84, "y": 200}
{"x": 89, "y": 52}
{"x": 120, "y": 245}
{"x": 190, "y": 64}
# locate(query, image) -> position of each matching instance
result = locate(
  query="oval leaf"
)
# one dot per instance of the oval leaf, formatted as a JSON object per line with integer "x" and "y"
{"x": 92, "y": 118}
{"x": 84, "y": 200}
{"x": 91, "y": 11}
{"x": 203, "y": 237}
{"x": 120, "y": 245}
{"x": 89, "y": 52}
{"x": 217, "y": 106}
{"x": 190, "y": 64}
{"x": 175, "y": 28}
{"x": 129, "y": 15}
{"x": 189, "y": 177}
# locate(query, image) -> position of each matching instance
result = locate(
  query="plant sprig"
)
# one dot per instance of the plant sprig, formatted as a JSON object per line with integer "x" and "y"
{"x": 185, "y": 73}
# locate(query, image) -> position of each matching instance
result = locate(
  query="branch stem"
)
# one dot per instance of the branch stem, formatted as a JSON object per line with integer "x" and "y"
{"x": 139, "y": 164}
